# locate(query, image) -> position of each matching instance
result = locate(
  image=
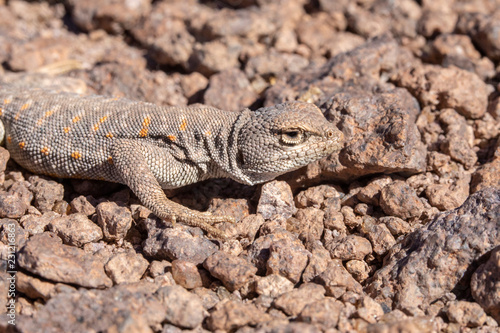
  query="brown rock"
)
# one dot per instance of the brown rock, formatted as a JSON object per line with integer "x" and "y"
{"x": 186, "y": 274}
{"x": 238, "y": 208}
{"x": 358, "y": 269}
{"x": 83, "y": 205}
{"x": 97, "y": 311}
{"x": 35, "y": 224}
{"x": 178, "y": 244}
{"x": 293, "y": 302}
{"x": 486, "y": 175}
{"x": 110, "y": 15}
{"x": 114, "y": 220}
{"x": 166, "y": 36}
{"x": 317, "y": 196}
{"x": 183, "y": 308}
{"x": 349, "y": 247}
{"x": 216, "y": 56}
{"x": 369, "y": 310}
{"x": 287, "y": 258}
{"x": 273, "y": 64}
{"x": 230, "y": 90}
{"x": 273, "y": 285}
{"x": 11, "y": 206}
{"x": 324, "y": 312}
{"x": 459, "y": 138}
{"x": 410, "y": 325}
{"x": 276, "y": 198}
{"x": 46, "y": 256}
{"x": 337, "y": 281}
{"x": 232, "y": 315}
{"x": 438, "y": 256}
{"x": 379, "y": 235}
{"x": 33, "y": 287}
{"x": 12, "y": 233}
{"x": 46, "y": 192}
{"x": 400, "y": 200}
{"x": 482, "y": 27}
{"x": 447, "y": 88}
{"x": 310, "y": 223}
{"x": 75, "y": 229}
{"x": 126, "y": 267}
{"x": 318, "y": 262}
{"x": 485, "y": 285}
{"x": 234, "y": 272}
{"x": 466, "y": 313}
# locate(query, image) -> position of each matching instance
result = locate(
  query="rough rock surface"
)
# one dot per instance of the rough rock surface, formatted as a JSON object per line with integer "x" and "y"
{"x": 437, "y": 259}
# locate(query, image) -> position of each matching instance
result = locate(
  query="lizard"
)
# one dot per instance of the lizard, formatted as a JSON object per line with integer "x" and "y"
{"x": 150, "y": 148}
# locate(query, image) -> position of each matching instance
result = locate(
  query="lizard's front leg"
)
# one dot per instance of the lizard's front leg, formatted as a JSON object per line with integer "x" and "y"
{"x": 131, "y": 165}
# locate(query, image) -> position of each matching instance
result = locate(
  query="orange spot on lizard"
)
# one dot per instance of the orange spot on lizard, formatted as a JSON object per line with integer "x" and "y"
{"x": 76, "y": 155}
{"x": 76, "y": 119}
{"x": 110, "y": 160}
{"x": 25, "y": 106}
{"x": 22, "y": 144}
{"x": 66, "y": 129}
{"x": 144, "y": 130}
{"x": 172, "y": 137}
{"x": 109, "y": 135}
{"x": 45, "y": 150}
{"x": 183, "y": 125}
{"x": 9, "y": 139}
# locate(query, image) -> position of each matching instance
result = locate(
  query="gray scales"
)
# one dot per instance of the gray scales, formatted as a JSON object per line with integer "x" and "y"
{"x": 150, "y": 148}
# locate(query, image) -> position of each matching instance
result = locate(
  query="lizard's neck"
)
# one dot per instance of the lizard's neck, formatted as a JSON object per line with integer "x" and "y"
{"x": 230, "y": 166}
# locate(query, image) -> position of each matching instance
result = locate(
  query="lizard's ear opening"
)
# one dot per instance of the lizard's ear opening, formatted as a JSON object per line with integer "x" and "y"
{"x": 241, "y": 158}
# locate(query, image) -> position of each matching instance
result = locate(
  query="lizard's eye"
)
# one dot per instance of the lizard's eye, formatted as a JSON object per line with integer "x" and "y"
{"x": 292, "y": 137}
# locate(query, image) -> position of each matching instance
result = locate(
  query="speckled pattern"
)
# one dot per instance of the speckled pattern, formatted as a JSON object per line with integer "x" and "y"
{"x": 148, "y": 147}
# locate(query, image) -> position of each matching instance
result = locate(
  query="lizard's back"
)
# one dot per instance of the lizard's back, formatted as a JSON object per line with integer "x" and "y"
{"x": 68, "y": 135}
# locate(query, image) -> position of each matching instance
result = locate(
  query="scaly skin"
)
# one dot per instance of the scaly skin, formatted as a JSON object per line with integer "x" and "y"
{"x": 150, "y": 148}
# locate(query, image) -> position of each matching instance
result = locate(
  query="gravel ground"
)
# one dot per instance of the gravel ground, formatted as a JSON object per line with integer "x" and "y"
{"x": 399, "y": 232}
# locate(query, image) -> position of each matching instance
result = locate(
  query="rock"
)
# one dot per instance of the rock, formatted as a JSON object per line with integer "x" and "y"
{"x": 486, "y": 175}
{"x": 324, "y": 312}
{"x": 98, "y": 311}
{"x": 259, "y": 252}
{"x": 287, "y": 258}
{"x": 317, "y": 196}
{"x": 379, "y": 235}
{"x": 183, "y": 308}
{"x": 337, "y": 281}
{"x": 126, "y": 267}
{"x": 33, "y": 287}
{"x": 46, "y": 256}
{"x": 11, "y": 206}
{"x": 369, "y": 310}
{"x": 35, "y": 224}
{"x": 310, "y": 223}
{"x": 439, "y": 255}
{"x": 349, "y": 248}
{"x": 400, "y": 200}
{"x": 83, "y": 205}
{"x": 216, "y": 56}
{"x": 293, "y": 302}
{"x": 186, "y": 274}
{"x": 178, "y": 244}
{"x": 165, "y": 36}
{"x": 230, "y": 90}
{"x": 482, "y": 27}
{"x": 75, "y": 229}
{"x": 459, "y": 138}
{"x": 358, "y": 269}
{"x": 466, "y": 313}
{"x": 114, "y": 220}
{"x": 231, "y": 315}
{"x": 238, "y": 208}
{"x": 485, "y": 285}
{"x": 109, "y": 15}
{"x": 318, "y": 262}
{"x": 276, "y": 198}
{"x": 234, "y": 272}
{"x": 446, "y": 87}
{"x": 46, "y": 192}
{"x": 273, "y": 285}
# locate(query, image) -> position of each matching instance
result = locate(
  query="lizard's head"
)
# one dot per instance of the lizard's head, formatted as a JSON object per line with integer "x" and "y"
{"x": 285, "y": 137}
